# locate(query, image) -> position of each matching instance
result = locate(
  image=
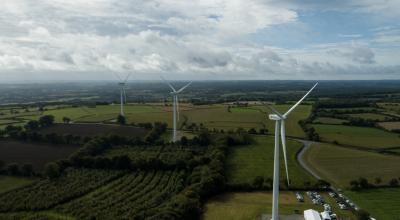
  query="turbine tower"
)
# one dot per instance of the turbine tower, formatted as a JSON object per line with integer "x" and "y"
{"x": 280, "y": 125}
{"x": 122, "y": 84}
{"x": 175, "y": 100}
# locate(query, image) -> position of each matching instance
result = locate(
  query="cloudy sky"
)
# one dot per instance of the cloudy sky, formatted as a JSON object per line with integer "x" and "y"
{"x": 199, "y": 39}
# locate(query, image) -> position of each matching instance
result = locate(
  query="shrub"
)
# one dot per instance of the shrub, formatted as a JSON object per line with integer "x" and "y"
{"x": 52, "y": 170}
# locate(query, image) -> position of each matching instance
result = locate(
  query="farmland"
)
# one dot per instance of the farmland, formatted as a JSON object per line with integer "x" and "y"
{"x": 105, "y": 181}
{"x": 91, "y": 130}
{"x": 9, "y": 182}
{"x": 393, "y": 125}
{"x": 244, "y": 163}
{"x": 211, "y": 116}
{"x": 37, "y": 154}
{"x": 358, "y": 136}
{"x": 329, "y": 161}
{"x": 244, "y": 206}
{"x": 381, "y": 203}
{"x": 327, "y": 120}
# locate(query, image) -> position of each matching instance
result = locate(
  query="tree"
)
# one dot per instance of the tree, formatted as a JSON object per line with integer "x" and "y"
{"x": 363, "y": 183}
{"x": 258, "y": 182}
{"x": 394, "y": 182}
{"x": 27, "y": 170}
{"x": 354, "y": 185}
{"x": 12, "y": 169}
{"x": 184, "y": 141}
{"x": 378, "y": 180}
{"x": 52, "y": 170}
{"x": 121, "y": 119}
{"x": 46, "y": 121}
{"x": 66, "y": 120}
{"x": 362, "y": 215}
{"x": 32, "y": 125}
{"x": 2, "y": 164}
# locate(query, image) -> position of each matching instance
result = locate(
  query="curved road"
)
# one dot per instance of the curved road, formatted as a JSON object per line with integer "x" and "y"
{"x": 306, "y": 145}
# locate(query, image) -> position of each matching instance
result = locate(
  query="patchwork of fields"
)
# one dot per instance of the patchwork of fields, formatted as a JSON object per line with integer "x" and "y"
{"x": 244, "y": 163}
{"x": 211, "y": 116}
{"x": 340, "y": 165}
{"x": 358, "y": 136}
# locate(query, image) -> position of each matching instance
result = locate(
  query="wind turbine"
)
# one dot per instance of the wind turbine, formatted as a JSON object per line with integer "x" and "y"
{"x": 122, "y": 84}
{"x": 280, "y": 124}
{"x": 174, "y": 94}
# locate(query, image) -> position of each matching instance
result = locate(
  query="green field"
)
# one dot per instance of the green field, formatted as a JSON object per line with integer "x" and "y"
{"x": 326, "y": 120}
{"x": 211, "y": 116}
{"x": 371, "y": 116}
{"x": 380, "y": 203}
{"x": 9, "y": 182}
{"x": 330, "y": 162}
{"x": 244, "y": 163}
{"x": 246, "y": 206}
{"x": 358, "y": 136}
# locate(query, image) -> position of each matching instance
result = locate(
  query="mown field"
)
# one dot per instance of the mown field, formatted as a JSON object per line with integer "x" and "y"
{"x": 327, "y": 120}
{"x": 210, "y": 116}
{"x": 358, "y": 136}
{"x": 392, "y": 125}
{"x": 340, "y": 165}
{"x": 371, "y": 116}
{"x": 91, "y": 130}
{"x": 37, "y": 154}
{"x": 381, "y": 203}
{"x": 244, "y": 163}
{"x": 246, "y": 206}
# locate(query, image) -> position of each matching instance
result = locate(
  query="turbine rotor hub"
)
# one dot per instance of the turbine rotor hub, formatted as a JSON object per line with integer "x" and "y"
{"x": 274, "y": 117}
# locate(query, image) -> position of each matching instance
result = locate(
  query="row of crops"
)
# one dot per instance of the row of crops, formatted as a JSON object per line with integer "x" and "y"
{"x": 134, "y": 196}
{"x": 170, "y": 182}
{"x": 47, "y": 193}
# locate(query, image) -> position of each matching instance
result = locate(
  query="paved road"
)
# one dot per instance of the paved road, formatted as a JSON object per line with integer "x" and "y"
{"x": 306, "y": 145}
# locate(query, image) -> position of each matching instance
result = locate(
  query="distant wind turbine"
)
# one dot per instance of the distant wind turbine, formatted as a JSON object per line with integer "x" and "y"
{"x": 122, "y": 84}
{"x": 174, "y": 94}
{"x": 280, "y": 124}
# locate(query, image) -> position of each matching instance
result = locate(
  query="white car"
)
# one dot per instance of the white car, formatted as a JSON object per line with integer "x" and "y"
{"x": 342, "y": 206}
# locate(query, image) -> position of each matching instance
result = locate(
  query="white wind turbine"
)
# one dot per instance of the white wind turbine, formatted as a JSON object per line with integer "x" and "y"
{"x": 122, "y": 84}
{"x": 174, "y": 94}
{"x": 280, "y": 124}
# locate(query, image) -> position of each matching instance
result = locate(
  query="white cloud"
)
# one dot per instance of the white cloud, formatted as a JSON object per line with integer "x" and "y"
{"x": 197, "y": 39}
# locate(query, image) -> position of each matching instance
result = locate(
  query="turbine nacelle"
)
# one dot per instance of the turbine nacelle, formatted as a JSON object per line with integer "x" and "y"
{"x": 275, "y": 117}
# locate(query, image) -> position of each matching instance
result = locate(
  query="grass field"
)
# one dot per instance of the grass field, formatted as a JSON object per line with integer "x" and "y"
{"x": 330, "y": 162}
{"x": 326, "y": 120}
{"x": 248, "y": 206}
{"x": 211, "y": 116}
{"x": 380, "y": 203}
{"x": 244, "y": 163}
{"x": 391, "y": 125}
{"x": 37, "y": 154}
{"x": 371, "y": 116}
{"x": 91, "y": 130}
{"x": 10, "y": 182}
{"x": 358, "y": 136}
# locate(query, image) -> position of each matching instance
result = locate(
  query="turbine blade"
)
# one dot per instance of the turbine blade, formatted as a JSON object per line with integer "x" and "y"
{"x": 116, "y": 75}
{"x": 177, "y": 106}
{"x": 274, "y": 111}
{"x": 283, "y": 136}
{"x": 298, "y": 103}
{"x": 183, "y": 88}
{"x": 169, "y": 84}
{"x": 127, "y": 77}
